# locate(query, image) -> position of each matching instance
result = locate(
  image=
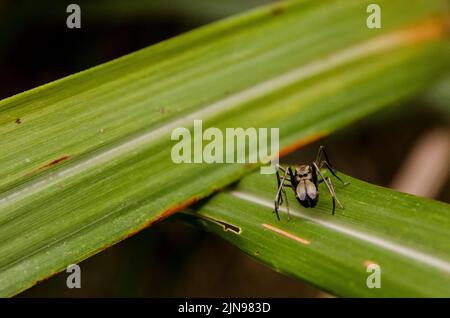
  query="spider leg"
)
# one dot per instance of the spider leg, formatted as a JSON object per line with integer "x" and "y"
{"x": 292, "y": 178}
{"x": 326, "y": 162}
{"x": 333, "y": 172}
{"x": 280, "y": 192}
{"x": 319, "y": 154}
{"x": 287, "y": 205}
{"x": 293, "y": 185}
{"x": 277, "y": 198}
{"x": 330, "y": 187}
{"x": 280, "y": 168}
{"x": 334, "y": 193}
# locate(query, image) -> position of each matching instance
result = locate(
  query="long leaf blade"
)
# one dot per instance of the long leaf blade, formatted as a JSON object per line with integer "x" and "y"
{"x": 85, "y": 161}
{"x": 405, "y": 235}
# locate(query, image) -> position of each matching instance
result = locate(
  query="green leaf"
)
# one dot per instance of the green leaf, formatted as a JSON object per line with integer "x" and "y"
{"x": 406, "y": 236}
{"x": 86, "y": 161}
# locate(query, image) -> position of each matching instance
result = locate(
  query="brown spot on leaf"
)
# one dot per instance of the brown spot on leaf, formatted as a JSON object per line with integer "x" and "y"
{"x": 286, "y": 234}
{"x": 18, "y": 121}
{"x": 53, "y": 163}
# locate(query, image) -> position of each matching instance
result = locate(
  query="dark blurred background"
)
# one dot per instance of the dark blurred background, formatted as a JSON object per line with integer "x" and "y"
{"x": 172, "y": 259}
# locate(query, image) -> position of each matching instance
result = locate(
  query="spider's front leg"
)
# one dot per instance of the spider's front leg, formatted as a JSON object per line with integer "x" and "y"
{"x": 282, "y": 182}
{"x": 326, "y": 162}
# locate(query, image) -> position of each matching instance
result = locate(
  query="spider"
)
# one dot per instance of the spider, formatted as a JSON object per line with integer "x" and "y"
{"x": 304, "y": 181}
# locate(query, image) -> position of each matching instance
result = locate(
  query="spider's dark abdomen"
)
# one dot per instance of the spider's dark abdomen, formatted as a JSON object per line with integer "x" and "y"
{"x": 307, "y": 193}
{"x": 308, "y": 202}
